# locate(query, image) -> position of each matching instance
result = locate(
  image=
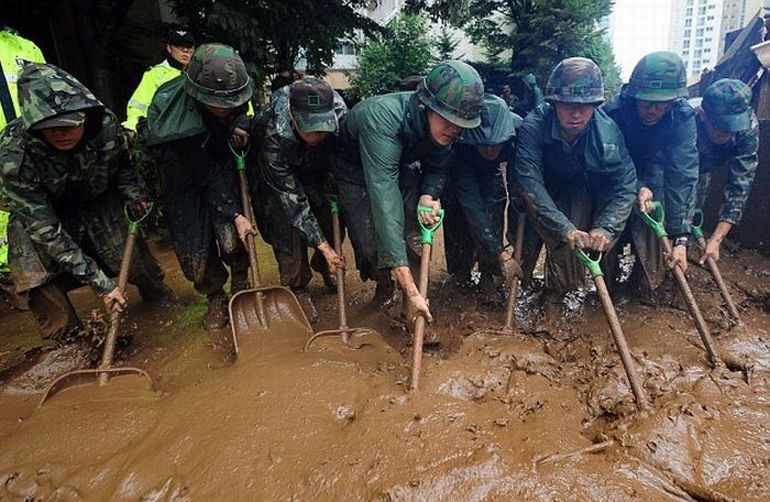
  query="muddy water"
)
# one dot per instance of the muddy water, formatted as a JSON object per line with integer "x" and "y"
{"x": 497, "y": 418}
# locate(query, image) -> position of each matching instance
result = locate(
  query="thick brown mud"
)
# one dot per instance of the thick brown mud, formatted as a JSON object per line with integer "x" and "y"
{"x": 543, "y": 415}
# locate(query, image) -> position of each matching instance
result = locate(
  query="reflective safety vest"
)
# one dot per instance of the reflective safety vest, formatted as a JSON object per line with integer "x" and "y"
{"x": 140, "y": 100}
{"x": 15, "y": 51}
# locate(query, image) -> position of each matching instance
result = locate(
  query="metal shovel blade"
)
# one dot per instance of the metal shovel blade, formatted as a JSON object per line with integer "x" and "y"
{"x": 281, "y": 313}
{"x": 95, "y": 377}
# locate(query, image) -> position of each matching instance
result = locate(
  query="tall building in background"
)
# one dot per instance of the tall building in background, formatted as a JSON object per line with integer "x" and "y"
{"x": 698, "y": 29}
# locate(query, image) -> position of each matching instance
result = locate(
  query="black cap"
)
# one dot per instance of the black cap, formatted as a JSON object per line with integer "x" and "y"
{"x": 180, "y": 38}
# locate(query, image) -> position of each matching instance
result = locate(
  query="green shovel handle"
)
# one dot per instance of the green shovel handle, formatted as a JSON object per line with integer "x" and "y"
{"x": 240, "y": 157}
{"x": 334, "y": 205}
{"x": 656, "y": 223}
{"x": 133, "y": 225}
{"x": 427, "y": 232}
{"x": 697, "y": 224}
{"x": 591, "y": 264}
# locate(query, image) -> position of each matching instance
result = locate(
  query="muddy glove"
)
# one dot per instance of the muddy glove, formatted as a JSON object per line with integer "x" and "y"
{"x": 415, "y": 305}
{"x": 509, "y": 267}
{"x": 429, "y": 219}
{"x": 333, "y": 260}
{"x": 600, "y": 240}
{"x": 577, "y": 239}
{"x": 244, "y": 228}
{"x": 644, "y": 199}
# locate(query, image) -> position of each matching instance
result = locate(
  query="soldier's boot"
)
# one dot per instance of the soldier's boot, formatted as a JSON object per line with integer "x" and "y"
{"x": 384, "y": 297}
{"x": 239, "y": 281}
{"x": 307, "y": 305}
{"x": 216, "y": 315}
{"x": 160, "y": 295}
{"x": 54, "y": 313}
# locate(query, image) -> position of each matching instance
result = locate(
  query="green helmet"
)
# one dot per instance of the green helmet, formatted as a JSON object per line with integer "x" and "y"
{"x": 659, "y": 76}
{"x": 454, "y": 90}
{"x": 575, "y": 80}
{"x": 216, "y": 76}
{"x": 727, "y": 103}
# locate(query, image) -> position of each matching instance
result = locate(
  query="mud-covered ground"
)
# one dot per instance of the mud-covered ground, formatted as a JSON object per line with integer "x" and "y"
{"x": 544, "y": 415}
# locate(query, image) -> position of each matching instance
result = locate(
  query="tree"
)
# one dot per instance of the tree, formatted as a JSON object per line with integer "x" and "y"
{"x": 384, "y": 61}
{"x": 445, "y": 44}
{"x": 532, "y": 35}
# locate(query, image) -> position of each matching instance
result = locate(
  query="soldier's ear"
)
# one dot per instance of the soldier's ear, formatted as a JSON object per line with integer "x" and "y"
{"x": 702, "y": 114}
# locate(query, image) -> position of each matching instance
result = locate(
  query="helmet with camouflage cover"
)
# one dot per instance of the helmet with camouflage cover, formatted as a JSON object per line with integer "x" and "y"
{"x": 216, "y": 76}
{"x": 454, "y": 90}
{"x": 575, "y": 80}
{"x": 659, "y": 76}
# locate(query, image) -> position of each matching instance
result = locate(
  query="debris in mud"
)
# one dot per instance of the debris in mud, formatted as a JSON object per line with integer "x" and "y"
{"x": 345, "y": 412}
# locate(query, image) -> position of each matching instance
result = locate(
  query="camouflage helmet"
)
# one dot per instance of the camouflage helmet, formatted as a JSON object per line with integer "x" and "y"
{"x": 727, "y": 103}
{"x": 216, "y": 76}
{"x": 659, "y": 76}
{"x": 454, "y": 90}
{"x": 575, "y": 80}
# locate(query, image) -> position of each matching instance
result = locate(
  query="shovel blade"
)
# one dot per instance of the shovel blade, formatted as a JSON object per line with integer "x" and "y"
{"x": 80, "y": 378}
{"x": 281, "y": 314}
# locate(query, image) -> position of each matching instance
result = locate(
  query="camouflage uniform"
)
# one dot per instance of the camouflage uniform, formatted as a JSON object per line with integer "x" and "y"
{"x": 727, "y": 105}
{"x": 191, "y": 147}
{"x": 475, "y": 195}
{"x": 584, "y": 185}
{"x": 66, "y": 216}
{"x": 665, "y": 156}
{"x": 292, "y": 182}
{"x": 378, "y": 139}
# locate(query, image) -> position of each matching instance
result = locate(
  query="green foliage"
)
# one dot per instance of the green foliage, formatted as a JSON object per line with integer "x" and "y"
{"x": 445, "y": 44}
{"x": 385, "y": 61}
{"x": 532, "y": 35}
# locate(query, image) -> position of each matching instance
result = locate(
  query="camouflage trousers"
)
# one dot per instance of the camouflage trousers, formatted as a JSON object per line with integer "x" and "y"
{"x": 98, "y": 226}
{"x": 462, "y": 244}
{"x": 289, "y": 244}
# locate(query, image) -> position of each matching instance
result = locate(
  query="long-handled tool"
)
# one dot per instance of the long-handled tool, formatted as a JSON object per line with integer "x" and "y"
{"x": 509, "y": 328}
{"x": 357, "y": 334}
{"x": 697, "y": 232}
{"x": 681, "y": 280}
{"x": 419, "y": 324}
{"x": 594, "y": 268}
{"x": 261, "y": 308}
{"x": 105, "y": 370}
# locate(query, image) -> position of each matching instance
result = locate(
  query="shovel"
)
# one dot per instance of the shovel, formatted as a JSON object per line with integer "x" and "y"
{"x": 261, "y": 309}
{"x": 681, "y": 280}
{"x": 419, "y": 324}
{"x": 617, "y": 332}
{"x": 509, "y": 328}
{"x": 697, "y": 232}
{"x": 105, "y": 370}
{"x": 347, "y": 333}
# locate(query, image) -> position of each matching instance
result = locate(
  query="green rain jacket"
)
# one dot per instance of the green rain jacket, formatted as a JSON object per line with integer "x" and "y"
{"x": 665, "y": 156}
{"x": 545, "y": 166}
{"x": 378, "y": 137}
{"x": 36, "y": 179}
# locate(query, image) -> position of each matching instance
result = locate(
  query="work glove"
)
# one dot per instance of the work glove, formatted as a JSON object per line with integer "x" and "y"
{"x": 415, "y": 305}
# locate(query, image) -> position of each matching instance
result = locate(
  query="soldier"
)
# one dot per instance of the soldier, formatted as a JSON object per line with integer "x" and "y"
{"x": 296, "y": 132}
{"x": 660, "y": 132}
{"x": 64, "y": 176}
{"x": 180, "y": 46}
{"x": 15, "y": 52}
{"x": 573, "y": 173}
{"x": 378, "y": 137}
{"x": 475, "y": 196}
{"x": 191, "y": 121}
{"x": 728, "y": 135}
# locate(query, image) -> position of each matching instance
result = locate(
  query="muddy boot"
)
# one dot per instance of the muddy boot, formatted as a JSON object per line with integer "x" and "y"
{"x": 384, "y": 297}
{"x": 162, "y": 296}
{"x": 55, "y": 315}
{"x": 307, "y": 305}
{"x": 216, "y": 315}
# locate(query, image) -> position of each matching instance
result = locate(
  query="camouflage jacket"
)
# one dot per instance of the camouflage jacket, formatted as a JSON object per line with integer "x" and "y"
{"x": 665, "y": 156}
{"x": 285, "y": 160}
{"x": 37, "y": 181}
{"x": 740, "y": 156}
{"x": 378, "y": 137}
{"x": 546, "y": 166}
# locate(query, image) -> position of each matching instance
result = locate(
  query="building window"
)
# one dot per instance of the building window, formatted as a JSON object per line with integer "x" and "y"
{"x": 687, "y": 23}
{"x": 687, "y": 33}
{"x": 686, "y": 44}
{"x": 701, "y": 11}
{"x": 685, "y": 54}
{"x": 346, "y": 49}
{"x": 699, "y": 32}
{"x": 709, "y": 28}
{"x": 689, "y": 2}
{"x": 688, "y": 12}
{"x": 698, "y": 42}
{"x": 708, "y": 39}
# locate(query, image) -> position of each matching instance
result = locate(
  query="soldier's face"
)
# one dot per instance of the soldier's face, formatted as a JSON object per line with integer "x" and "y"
{"x": 181, "y": 54}
{"x": 715, "y": 135}
{"x": 442, "y": 131}
{"x": 490, "y": 152}
{"x": 650, "y": 112}
{"x": 313, "y": 138}
{"x": 573, "y": 118}
{"x": 218, "y": 112}
{"x": 63, "y": 139}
